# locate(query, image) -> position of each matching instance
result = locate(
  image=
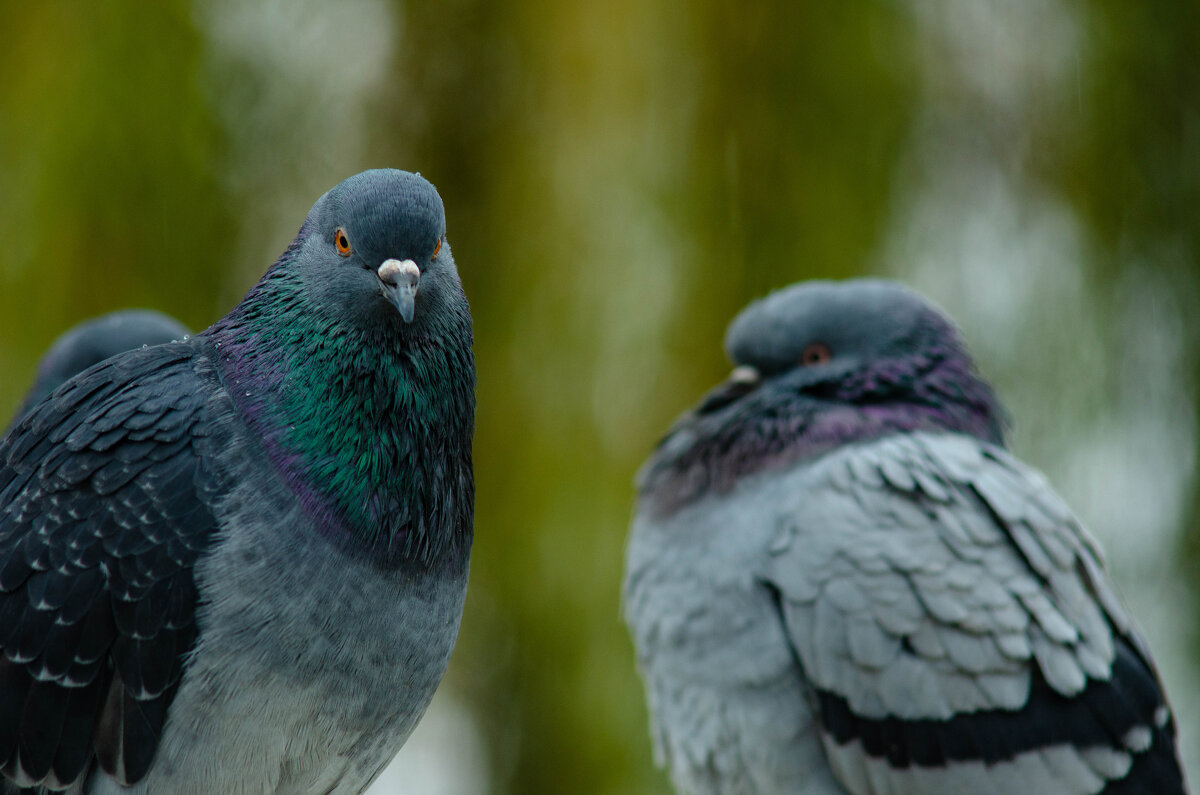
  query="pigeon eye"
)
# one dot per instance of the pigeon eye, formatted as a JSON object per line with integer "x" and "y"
{"x": 342, "y": 242}
{"x": 815, "y": 353}
{"x": 437, "y": 248}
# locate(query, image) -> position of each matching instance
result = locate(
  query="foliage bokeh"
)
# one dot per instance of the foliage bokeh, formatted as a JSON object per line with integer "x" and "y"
{"x": 619, "y": 179}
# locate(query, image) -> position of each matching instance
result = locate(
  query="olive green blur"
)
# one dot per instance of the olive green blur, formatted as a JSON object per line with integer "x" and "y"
{"x": 619, "y": 179}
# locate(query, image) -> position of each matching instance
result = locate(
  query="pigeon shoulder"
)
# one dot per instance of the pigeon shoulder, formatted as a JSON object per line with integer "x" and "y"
{"x": 107, "y": 507}
{"x": 958, "y": 629}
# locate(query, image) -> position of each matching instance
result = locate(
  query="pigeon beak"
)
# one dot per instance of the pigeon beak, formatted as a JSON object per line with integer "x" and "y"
{"x": 399, "y": 280}
{"x": 744, "y": 375}
{"x": 742, "y": 381}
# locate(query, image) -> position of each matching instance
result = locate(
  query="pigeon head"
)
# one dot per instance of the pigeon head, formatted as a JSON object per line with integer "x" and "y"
{"x": 863, "y": 342}
{"x": 95, "y": 340}
{"x": 351, "y": 358}
{"x": 381, "y": 234}
{"x": 820, "y": 364}
{"x": 824, "y": 330}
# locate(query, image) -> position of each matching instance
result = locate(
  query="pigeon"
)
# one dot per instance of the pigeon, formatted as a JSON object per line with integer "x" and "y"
{"x": 237, "y": 562}
{"x": 95, "y": 340}
{"x": 839, "y": 580}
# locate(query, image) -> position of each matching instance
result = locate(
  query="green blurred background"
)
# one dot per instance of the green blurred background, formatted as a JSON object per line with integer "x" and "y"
{"x": 620, "y": 178}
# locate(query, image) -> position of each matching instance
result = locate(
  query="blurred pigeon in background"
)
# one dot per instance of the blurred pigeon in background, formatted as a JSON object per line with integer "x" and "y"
{"x": 237, "y": 563}
{"x": 839, "y": 581}
{"x": 93, "y": 341}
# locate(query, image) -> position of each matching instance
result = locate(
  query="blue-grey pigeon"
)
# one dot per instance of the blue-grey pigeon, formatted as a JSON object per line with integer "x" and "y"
{"x": 237, "y": 562}
{"x": 93, "y": 341}
{"x": 839, "y": 581}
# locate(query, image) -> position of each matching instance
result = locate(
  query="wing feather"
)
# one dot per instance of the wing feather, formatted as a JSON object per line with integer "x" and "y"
{"x": 949, "y": 611}
{"x": 104, "y": 510}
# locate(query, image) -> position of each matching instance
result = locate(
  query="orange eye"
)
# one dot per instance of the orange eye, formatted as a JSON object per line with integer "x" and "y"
{"x": 342, "y": 242}
{"x": 815, "y": 353}
{"x": 437, "y": 248}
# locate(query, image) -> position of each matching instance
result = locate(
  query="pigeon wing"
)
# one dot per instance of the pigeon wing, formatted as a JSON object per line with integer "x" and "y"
{"x": 958, "y": 631}
{"x": 105, "y": 509}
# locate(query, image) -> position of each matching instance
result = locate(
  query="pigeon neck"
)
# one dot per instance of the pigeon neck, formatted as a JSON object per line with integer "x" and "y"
{"x": 372, "y": 432}
{"x": 775, "y": 425}
{"x": 937, "y": 389}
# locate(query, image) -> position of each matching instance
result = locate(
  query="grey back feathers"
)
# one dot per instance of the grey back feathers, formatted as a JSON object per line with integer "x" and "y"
{"x": 883, "y": 600}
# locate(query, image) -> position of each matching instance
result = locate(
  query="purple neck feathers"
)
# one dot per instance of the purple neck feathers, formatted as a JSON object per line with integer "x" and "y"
{"x": 782, "y": 423}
